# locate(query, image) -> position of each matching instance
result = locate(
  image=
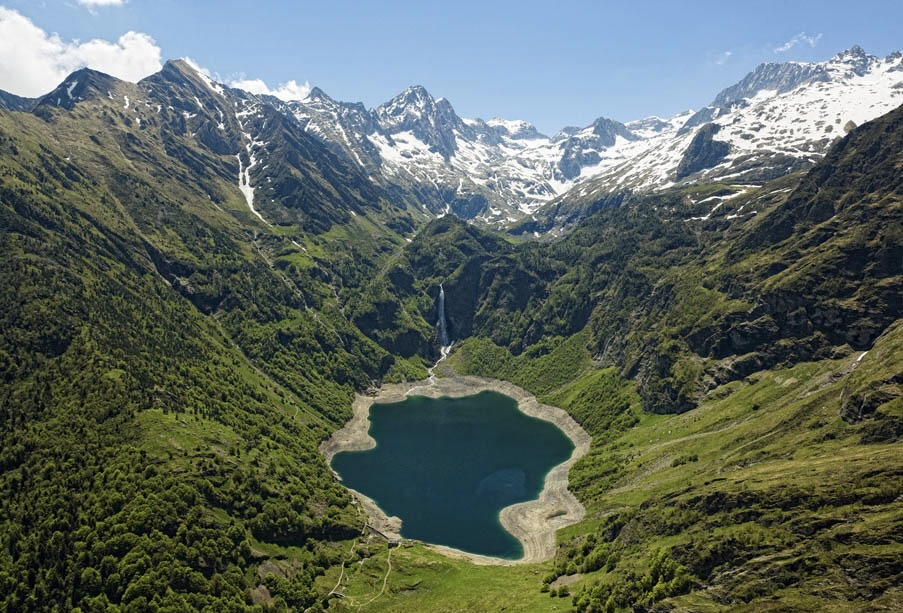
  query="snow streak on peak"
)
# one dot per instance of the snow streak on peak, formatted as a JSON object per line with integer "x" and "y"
{"x": 777, "y": 119}
{"x": 205, "y": 75}
{"x": 780, "y": 118}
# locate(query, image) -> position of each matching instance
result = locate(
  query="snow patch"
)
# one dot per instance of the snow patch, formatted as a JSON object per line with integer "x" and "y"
{"x": 244, "y": 175}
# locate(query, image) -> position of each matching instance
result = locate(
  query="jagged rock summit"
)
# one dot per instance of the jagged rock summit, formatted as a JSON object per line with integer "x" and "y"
{"x": 779, "y": 119}
{"x": 417, "y": 153}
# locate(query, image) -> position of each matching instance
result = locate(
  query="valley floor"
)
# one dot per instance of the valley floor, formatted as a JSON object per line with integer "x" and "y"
{"x": 763, "y": 493}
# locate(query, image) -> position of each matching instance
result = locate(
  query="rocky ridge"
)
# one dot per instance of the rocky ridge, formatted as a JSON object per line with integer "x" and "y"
{"x": 417, "y": 153}
{"x": 779, "y": 119}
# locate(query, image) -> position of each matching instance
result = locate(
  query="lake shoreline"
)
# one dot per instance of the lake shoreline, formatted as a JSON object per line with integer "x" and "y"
{"x": 533, "y": 523}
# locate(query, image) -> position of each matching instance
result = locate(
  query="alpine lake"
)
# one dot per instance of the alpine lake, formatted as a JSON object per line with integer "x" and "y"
{"x": 448, "y": 466}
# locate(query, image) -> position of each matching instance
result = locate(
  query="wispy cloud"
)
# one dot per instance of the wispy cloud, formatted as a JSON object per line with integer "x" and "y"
{"x": 800, "y": 39}
{"x": 207, "y": 73}
{"x": 722, "y": 58}
{"x": 292, "y": 90}
{"x": 91, "y": 4}
{"x": 33, "y": 62}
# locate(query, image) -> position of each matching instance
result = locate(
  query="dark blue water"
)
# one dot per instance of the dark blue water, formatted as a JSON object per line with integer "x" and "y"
{"x": 447, "y": 466}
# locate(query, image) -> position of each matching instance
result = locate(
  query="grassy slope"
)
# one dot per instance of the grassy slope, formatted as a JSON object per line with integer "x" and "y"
{"x": 184, "y": 443}
{"x": 762, "y": 496}
{"x": 781, "y": 490}
{"x": 763, "y": 489}
{"x": 165, "y": 384}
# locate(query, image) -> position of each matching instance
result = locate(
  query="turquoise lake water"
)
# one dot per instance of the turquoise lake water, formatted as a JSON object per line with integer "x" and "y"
{"x": 447, "y": 466}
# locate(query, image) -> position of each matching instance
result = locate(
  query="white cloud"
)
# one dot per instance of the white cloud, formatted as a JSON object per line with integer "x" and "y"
{"x": 255, "y": 86}
{"x": 201, "y": 69}
{"x": 800, "y": 39}
{"x": 213, "y": 81}
{"x": 95, "y": 3}
{"x": 291, "y": 90}
{"x": 134, "y": 56}
{"x": 723, "y": 57}
{"x": 33, "y": 62}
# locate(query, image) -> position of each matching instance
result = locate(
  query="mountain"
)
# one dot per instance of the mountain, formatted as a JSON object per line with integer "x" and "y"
{"x": 81, "y": 85}
{"x": 791, "y": 242}
{"x": 422, "y": 157}
{"x": 12, "y": 102}
{"x": 430, "y": 121}
{"x": 584, "y": 148}
{"x": 779, "y": 119}
{"x": 420, "y": 151}
{"x": 764, "y": 343}
{"x": 199, "y": 280}
{"x": 784, "y": 78}
{"x": 176, "y": 258}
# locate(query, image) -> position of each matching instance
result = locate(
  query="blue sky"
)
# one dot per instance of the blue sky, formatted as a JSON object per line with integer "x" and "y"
{"x": 556, "y": 63}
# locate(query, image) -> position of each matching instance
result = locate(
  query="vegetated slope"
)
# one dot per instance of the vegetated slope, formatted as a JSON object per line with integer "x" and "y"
{"x": 767, "y": 495}
{"x": 170, "y": 361}
{"x": 748, "y": 313}
{"x": 196, "y": 289}
{"x": 777, "y": 485}
{"x": 688, "y": 289}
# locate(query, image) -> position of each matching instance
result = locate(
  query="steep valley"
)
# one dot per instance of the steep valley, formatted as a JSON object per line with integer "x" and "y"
{"x": 197, "y": 286}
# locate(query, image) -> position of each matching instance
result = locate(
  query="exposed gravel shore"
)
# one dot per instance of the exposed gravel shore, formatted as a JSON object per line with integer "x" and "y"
{"x": 533, "y": 523}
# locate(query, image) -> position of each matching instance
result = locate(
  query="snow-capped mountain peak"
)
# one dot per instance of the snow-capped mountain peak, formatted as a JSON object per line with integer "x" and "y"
{"x": 517, "y": 129}
{"x": 414, "y": 103}
{"x": 431, "y": 121}
{"x": 854, "y": 62}
{"x": 316, "y": 93}
{"x": 778, "y": 119}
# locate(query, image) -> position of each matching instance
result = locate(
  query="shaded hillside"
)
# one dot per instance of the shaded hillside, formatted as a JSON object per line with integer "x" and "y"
{"x": 778, "y": 485}
{"x": 681, "y": 300}
{"x": 12, "y": 102}
{"x": 195, "y": 288}
{"x": 169, "y": 367}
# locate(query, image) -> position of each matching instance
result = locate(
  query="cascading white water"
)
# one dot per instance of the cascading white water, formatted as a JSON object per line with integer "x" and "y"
{"x": 442, "y": 325}
{"x": 442, "y": 329}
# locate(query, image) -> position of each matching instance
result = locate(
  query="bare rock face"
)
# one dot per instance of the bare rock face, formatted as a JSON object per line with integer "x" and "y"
{"x": 703, "y": 152}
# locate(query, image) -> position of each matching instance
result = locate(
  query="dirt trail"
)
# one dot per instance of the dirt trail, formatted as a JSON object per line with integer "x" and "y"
{"x": 533, "y": 523}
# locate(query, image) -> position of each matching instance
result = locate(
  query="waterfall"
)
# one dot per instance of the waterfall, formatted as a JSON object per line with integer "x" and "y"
{"x": 441, "y": 325}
